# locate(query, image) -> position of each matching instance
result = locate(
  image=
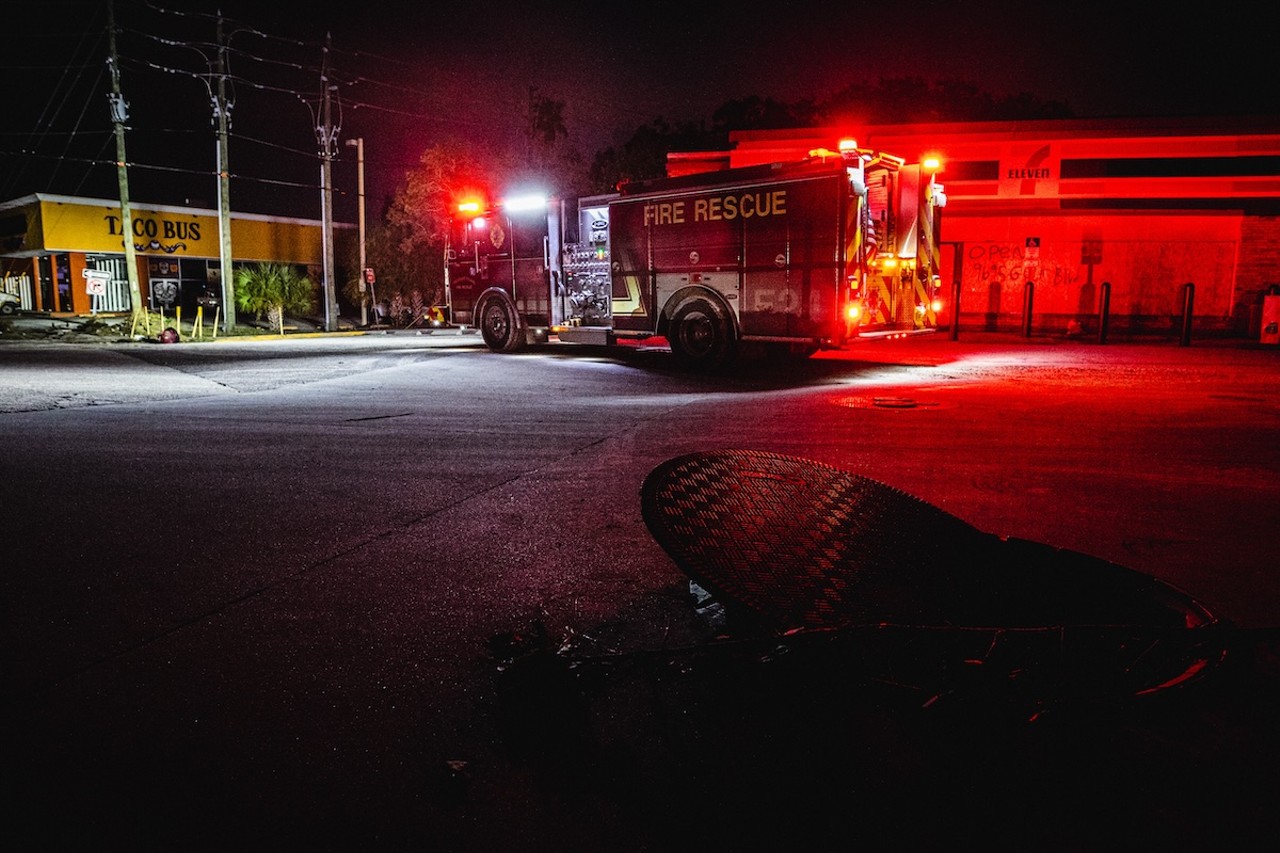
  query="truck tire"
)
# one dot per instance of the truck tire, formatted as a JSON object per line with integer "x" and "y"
{"x": 500, "y": 325}
{"x": 700, "y": 334}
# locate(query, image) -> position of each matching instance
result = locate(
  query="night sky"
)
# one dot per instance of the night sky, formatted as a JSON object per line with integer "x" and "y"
{"x": 413, "y": 73}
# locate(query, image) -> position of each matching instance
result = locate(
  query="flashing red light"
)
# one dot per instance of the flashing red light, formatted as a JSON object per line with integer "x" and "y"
{"x": 469, "y": 207}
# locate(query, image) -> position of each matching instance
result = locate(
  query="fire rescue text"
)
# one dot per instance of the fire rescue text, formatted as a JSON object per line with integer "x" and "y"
{"x": 714, "y": 208}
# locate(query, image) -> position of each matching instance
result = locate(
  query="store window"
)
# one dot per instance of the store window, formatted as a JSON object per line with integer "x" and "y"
{"x": 62, "y": 275}
{"x": 45, "y": 265}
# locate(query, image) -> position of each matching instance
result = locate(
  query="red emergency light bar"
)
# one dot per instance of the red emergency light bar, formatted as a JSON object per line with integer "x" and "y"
{"x": 844, "y": 149}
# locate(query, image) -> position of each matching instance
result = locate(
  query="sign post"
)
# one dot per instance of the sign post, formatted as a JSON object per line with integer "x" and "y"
{"x": 95, "y": 284}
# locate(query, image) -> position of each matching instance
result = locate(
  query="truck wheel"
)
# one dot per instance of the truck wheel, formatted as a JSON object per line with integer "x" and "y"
{"x": 700, "y": 335}
{"x": 500, "y": 326}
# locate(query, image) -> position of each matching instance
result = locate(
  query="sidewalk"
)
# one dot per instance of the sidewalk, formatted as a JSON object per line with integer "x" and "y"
{"x": 115, "y": 328}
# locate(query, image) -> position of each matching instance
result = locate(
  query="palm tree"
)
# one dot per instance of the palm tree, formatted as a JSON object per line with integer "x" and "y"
{"x": 270, "y": 288}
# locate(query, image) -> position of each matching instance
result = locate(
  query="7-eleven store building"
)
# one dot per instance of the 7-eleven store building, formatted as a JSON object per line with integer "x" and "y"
{"x": 1053, "y": 221}
{"x": 47, "y": 242}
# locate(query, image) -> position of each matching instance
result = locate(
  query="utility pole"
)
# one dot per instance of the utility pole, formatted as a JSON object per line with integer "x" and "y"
{"x": 221, "y": 111}
{"x": 364, "y": 282}
{"x": 119, "y": 115}
{"x": 327, "y": 135}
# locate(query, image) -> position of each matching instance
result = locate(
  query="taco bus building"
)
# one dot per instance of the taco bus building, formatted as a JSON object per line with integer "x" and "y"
{"x": 1048, "y": 223}
{"x": 48, "y": 242}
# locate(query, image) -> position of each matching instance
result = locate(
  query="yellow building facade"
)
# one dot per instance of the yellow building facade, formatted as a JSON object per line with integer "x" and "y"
{"x": 48, "y": 243}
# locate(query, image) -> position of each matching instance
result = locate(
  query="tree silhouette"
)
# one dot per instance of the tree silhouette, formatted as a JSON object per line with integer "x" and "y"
{"x": 419, "y": 214}
{"x": 407, "y": 250}
{"x": 910, "y": 100}
{"x": 890, "y": 100}
{"x": 549, "y": 161}
{"x": 756, "y": 113}
{"x": 545, "y": 119}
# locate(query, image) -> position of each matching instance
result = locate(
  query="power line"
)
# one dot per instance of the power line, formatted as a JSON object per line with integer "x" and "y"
{"x": 280, "y": 75}
{"x": 59, "y": 96}
{"x": 156, "y": 167}
{"x": 333, "y": 73}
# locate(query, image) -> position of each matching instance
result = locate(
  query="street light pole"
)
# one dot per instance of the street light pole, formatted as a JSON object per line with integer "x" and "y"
{"x": 364, "y": 283}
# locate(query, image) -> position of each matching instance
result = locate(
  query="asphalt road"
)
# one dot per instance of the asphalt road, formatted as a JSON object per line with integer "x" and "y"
{"x": 307, "y": 594}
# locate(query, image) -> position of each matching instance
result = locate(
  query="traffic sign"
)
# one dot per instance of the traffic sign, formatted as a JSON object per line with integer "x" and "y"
{"x": 96, "y": 281}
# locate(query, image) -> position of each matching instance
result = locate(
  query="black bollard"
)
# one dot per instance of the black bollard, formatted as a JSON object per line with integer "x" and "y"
{"x": 1104, "y": 311}
{"x": 1188, "y": 301}
{"x": 955, "y": 309}
{"x": 1026, "y": 309}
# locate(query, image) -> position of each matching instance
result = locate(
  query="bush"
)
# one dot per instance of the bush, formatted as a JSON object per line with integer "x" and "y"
{"x": 273, "y": 289}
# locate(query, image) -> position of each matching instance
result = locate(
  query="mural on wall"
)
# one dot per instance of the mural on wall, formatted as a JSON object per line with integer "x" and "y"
{"x": 1147, "y": 278}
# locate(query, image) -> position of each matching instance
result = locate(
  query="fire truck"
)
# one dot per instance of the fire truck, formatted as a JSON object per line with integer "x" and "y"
{"x": 783, "y": 258}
